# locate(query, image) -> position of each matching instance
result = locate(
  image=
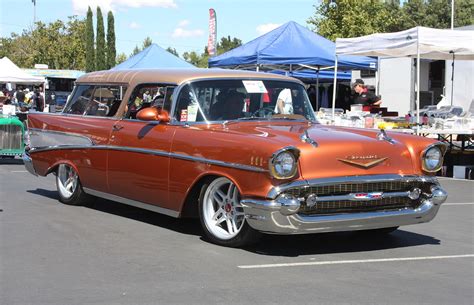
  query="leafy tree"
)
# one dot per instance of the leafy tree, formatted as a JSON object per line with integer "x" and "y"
{"x": 227, "y": 44}
{"x": 201, "y": 60}
{"x": 90, "y": 55}
{"x": 100, "y": 59}
{"x": 111, "y": 51}
{"x": 348, "y": 18}
{"x": 58, "y": 44}
{"x": 145, "y": 44}
{"x": 172, "y": 51}
{"x": 121, "y": 58}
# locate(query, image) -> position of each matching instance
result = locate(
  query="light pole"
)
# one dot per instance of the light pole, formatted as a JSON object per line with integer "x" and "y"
{"x": 34, "y": 11}
{"x": 452, "y": 14}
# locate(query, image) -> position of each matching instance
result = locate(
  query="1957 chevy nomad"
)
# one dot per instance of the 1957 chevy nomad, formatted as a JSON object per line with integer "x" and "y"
{"x": 240, "y": 150}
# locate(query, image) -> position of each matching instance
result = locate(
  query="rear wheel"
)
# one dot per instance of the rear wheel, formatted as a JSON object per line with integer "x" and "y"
{"x": 222, "y": 216}
{"x": 69, "y": 186}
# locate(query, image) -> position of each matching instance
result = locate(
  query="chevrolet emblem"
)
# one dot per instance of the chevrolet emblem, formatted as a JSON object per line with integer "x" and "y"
{"x": 363, "y": 161}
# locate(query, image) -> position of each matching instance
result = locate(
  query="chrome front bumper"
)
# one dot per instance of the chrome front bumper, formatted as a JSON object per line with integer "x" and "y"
{"x": 28, "y": 164}
{"x": 280, "y": 216}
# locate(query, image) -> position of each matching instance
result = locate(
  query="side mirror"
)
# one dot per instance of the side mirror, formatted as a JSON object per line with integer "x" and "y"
{"x": 153, "y": 114}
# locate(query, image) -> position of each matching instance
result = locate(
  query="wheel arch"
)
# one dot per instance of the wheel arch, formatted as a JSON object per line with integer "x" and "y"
{"x": 189, "y": 208}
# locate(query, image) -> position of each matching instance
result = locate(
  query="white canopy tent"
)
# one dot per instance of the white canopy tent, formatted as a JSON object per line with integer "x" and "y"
{"x": 417, "y": 42}
{"x": 11, "y": 73}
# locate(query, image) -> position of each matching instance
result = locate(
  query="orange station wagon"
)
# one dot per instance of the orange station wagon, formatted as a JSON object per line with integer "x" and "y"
{"x": 241, "y": 150}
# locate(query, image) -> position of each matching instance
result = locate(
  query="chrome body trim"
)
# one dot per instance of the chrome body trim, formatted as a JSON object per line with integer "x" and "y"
{"x": 382, "y": 136}
{"x": 28, "y": 162}
{"x": 355, "y": 197}
{"x": 306, "y": 138}
{"x": 266, "y": 216}
{"x": 40, "y": 138}
{"x": 131, "y": 202}
{"x": 443, "y": 147}
{"x": 275, "y": 191}
{"x": 154, "y": 152}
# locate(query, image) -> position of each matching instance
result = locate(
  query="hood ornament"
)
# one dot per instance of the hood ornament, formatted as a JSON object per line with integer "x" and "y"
{"x": 363, "y": 161}
{"x": 382, "y": 136}
{"x": 306, "y": 138}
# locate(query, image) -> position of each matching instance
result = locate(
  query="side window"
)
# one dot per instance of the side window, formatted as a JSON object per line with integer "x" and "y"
{"x": 149, "y": 95}
{"x": 80, "y": 100}
{"x": 106, "y": 100}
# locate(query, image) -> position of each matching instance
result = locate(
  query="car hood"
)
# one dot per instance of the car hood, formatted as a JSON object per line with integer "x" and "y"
{"x": 336, "y": 151}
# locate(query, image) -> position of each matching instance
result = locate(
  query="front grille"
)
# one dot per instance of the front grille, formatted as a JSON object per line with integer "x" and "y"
{"x": 10, "y": 137}
{"x": 347, "y": 206}
{"x": 360, "y": 206}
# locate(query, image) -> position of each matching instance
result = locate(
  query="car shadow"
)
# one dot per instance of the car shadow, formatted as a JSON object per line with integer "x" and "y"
{"x": 187, "y": 226}
{"x": 15, "y": 161}
{"x": 269, "y": 245}
{"x": 340, "y": 242}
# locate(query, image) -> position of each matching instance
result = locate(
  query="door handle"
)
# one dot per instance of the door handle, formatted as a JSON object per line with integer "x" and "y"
{"x": 117, "y": 127}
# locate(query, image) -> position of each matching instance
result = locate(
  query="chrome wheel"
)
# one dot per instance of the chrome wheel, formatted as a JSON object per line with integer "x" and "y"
{"x": 222, "y": 212}
{"x": 67, "y": 181}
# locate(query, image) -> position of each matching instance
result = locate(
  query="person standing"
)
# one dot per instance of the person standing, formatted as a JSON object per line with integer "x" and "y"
{"x": 364, "y": 96}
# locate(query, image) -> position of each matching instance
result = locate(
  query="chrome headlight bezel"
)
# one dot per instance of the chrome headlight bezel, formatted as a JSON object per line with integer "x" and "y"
{"x": 284, "y": 154}
{"x": 426, "y": 157}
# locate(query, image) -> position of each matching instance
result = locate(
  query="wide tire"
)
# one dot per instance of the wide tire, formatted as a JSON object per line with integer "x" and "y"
{"x": 69, "y": 186}
{"x": 222, "y": 216}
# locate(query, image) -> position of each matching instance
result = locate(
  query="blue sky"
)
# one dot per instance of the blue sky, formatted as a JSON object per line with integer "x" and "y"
{"x": 182, "y": 24}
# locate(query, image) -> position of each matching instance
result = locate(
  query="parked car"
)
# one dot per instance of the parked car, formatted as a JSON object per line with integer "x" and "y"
{"x": 240, "y": 150}
{"x": 12, "y": 133}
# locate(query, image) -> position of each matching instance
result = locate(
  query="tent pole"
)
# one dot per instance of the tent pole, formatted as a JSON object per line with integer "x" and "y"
{"x": 377, "y": 77}
{"x": 334, "y": 90}
{"x": 257, "y": 68}
{"x": 317, "y": 89}
{"x": 452, "y": 80}
{"x": 418, "y": 87}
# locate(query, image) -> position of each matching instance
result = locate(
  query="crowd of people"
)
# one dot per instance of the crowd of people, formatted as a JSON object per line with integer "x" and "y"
{"x": 24, "y": 98}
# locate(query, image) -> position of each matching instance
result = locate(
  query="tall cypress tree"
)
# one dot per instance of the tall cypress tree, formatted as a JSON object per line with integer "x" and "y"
{"x": 100, "y": 63}
{"x": 111, "y": 52}
{"x": 90, "y": 56}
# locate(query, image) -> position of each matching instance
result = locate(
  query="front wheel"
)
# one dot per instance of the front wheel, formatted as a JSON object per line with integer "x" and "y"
{"x": 222, "y": 216}
{"x": 69, "y": 186}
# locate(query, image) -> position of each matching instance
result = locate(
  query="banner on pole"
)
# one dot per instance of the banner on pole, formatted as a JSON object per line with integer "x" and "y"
{"x": 211, "y": 42}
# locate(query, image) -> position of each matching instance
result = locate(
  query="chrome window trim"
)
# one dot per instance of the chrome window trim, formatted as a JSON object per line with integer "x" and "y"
{"x": 275, "y": 191}
{"x": 155, "y": 153}
{"x": 138, "y": 204}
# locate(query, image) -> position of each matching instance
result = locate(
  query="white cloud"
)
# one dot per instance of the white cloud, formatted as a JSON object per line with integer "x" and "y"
{"x": 80, "y": 6}
{"x": 183, "y": 33}
{"x": 134, "y": 25}
{"x": 265, "y": 28}
{"x": 183, "y": 23}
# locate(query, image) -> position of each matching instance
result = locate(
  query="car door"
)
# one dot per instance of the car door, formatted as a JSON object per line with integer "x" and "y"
{"x": 138, "y": 155}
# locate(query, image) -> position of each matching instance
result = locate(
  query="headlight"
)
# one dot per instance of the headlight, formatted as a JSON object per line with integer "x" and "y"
{"x": 432, "y": 158}
{"x": 283, "y": 164}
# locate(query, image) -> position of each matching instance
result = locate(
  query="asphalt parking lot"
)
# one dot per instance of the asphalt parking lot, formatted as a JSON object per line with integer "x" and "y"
{"x": 108, "y": 253}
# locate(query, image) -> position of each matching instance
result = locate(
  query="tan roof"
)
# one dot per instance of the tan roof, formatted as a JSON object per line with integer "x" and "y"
{"x": 172, "y": 76}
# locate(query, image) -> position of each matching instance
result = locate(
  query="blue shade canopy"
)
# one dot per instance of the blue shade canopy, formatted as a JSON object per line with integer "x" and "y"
{"x": 151, "y": 58}
{"x": 290, "y": 44}
{"x": 311, "y": 75}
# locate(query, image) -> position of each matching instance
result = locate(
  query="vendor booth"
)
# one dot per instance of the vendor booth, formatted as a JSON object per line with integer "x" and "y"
{"x": 151, "y": 58}
{"x": 289, "y": 49}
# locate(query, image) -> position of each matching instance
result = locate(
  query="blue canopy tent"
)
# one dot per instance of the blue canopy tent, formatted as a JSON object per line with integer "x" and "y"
{"x": 290, "y": 47}
{"x": 153, "y": 57}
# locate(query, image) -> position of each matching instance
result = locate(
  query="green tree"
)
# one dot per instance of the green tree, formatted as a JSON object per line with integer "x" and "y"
{"x": 172, "y": 51}
{"x": 111, "y": 51}
{"x": 58, "y": 44}
{"x": 145, "y": 44}
{"x": 201, "y": 60}
{"x": 227, "y": 44}
{"x": 100, "y": 59}
{"x": 121, "y": 58}
{"x": 90, "y": 55}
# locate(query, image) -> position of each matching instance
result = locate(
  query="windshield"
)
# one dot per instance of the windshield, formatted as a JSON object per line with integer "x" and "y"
{"x": 222, "y": 100}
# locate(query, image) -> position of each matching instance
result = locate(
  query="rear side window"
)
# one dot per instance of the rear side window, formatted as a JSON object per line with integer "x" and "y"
{"x": 100, "y": 100}
{"x": 149, "y": 95}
